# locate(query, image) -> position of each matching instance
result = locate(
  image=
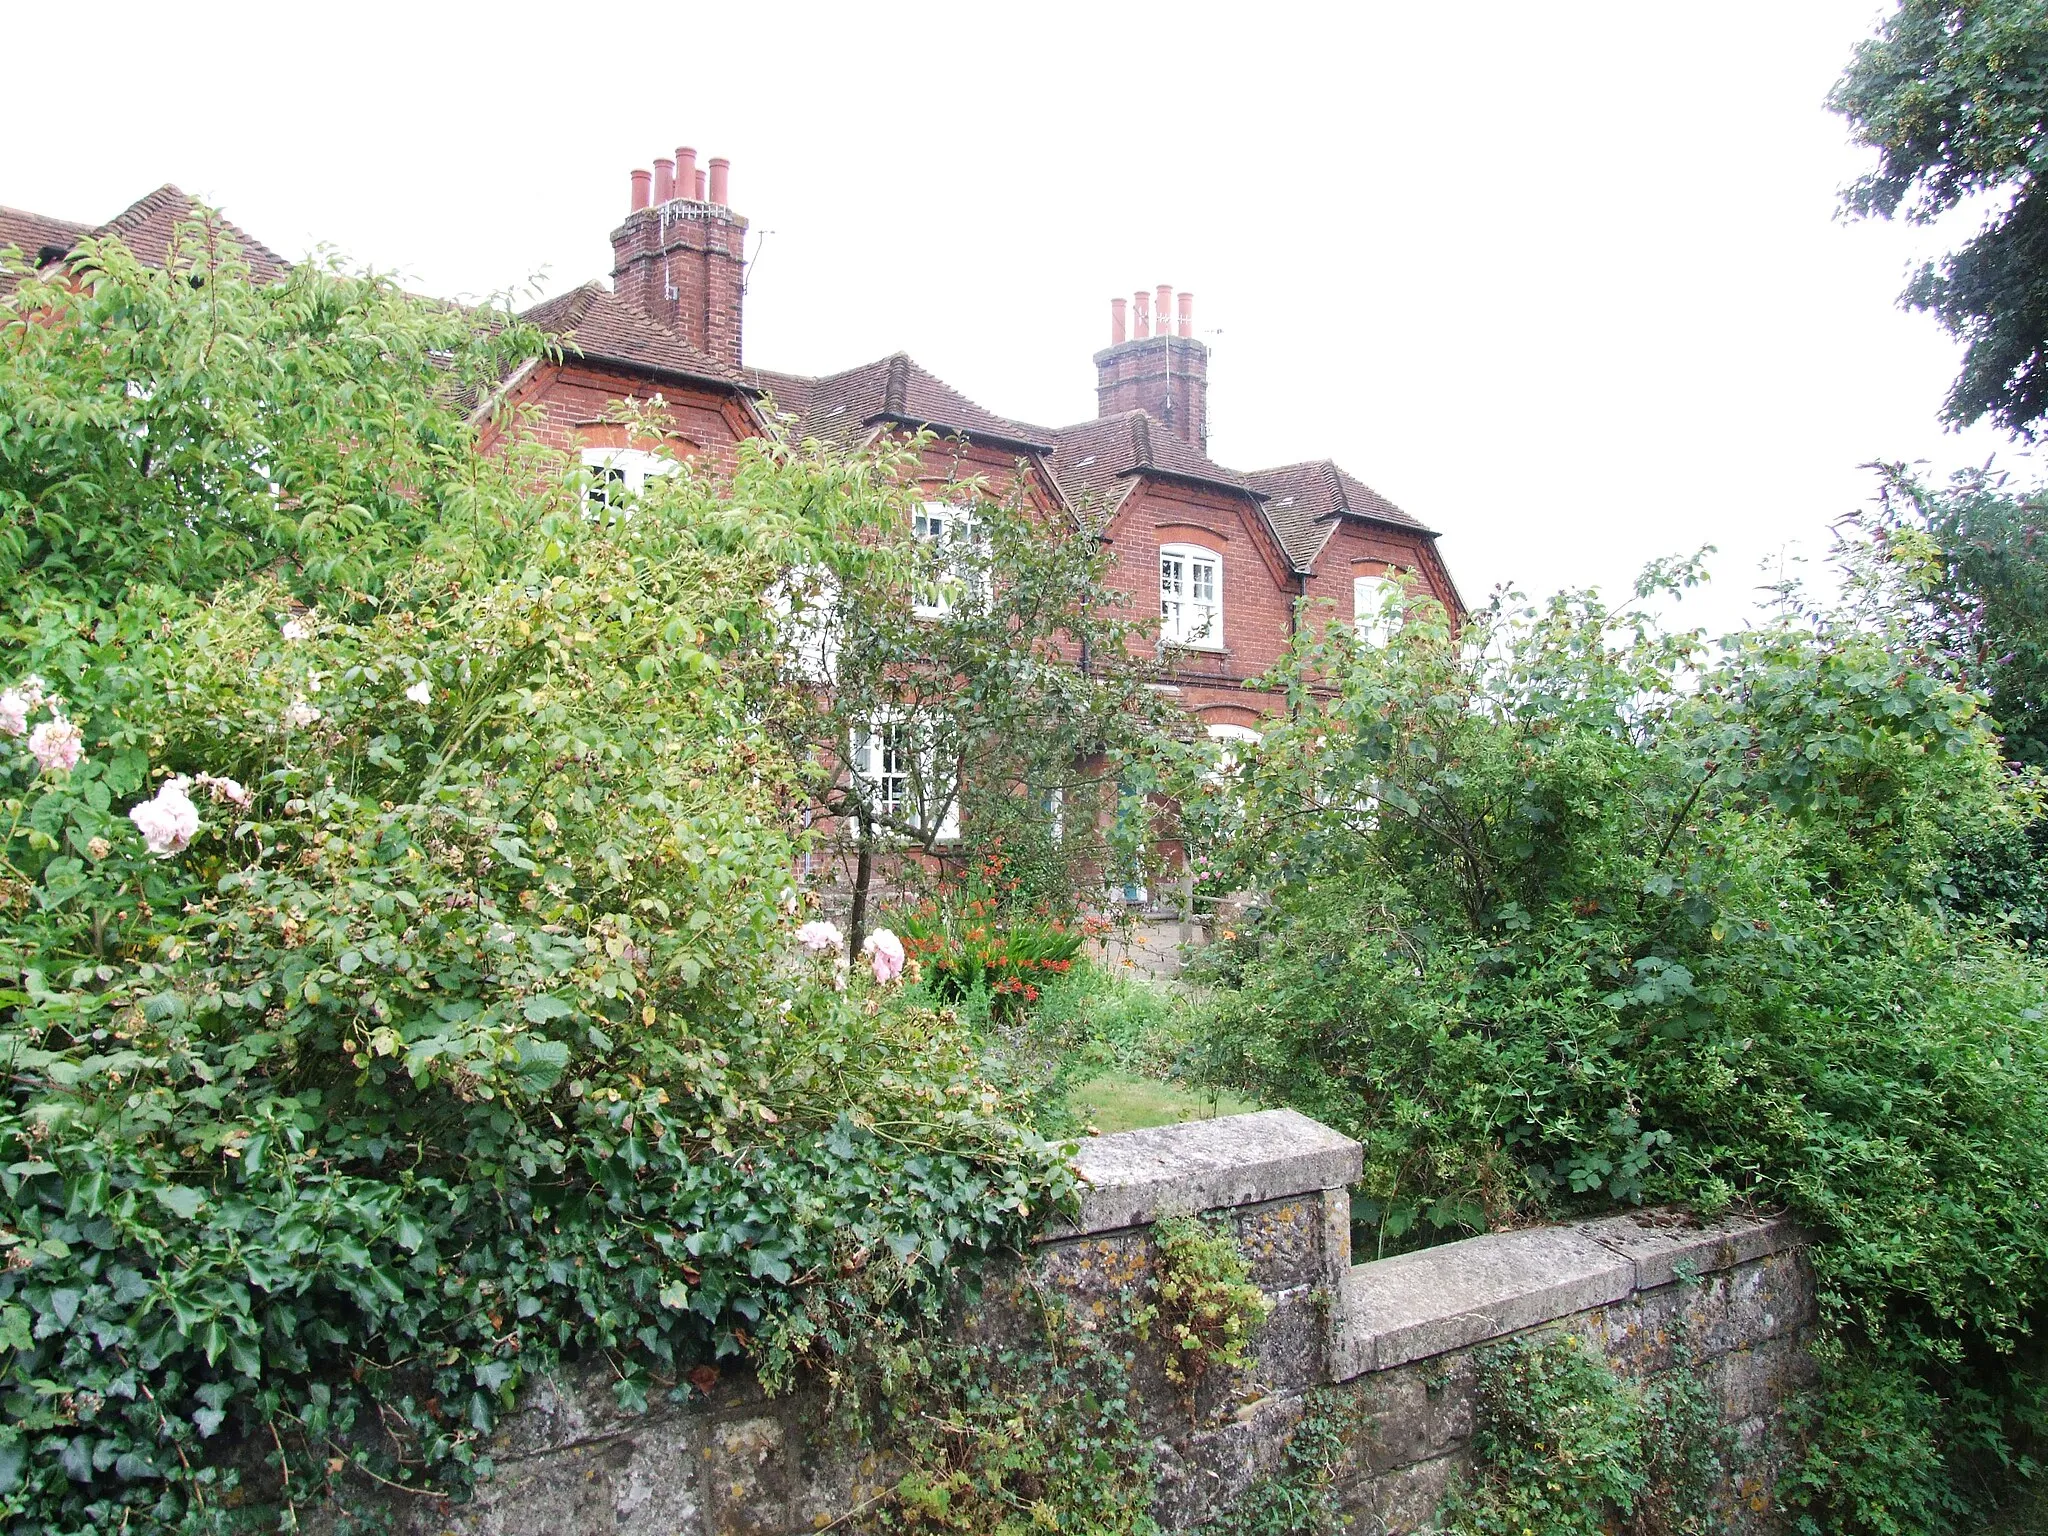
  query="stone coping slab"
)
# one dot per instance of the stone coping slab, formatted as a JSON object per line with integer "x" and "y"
{"x": 1431, "y": 1302}
{"x": 1134, "y": 1177}
{"x": 1665, "y": 1244}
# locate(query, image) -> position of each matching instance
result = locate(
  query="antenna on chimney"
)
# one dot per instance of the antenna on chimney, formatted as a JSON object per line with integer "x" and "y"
{"x": 747, "y": 272}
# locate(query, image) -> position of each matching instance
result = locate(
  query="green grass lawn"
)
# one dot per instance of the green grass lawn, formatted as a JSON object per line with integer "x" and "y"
{"x": 1123, "y": 1101}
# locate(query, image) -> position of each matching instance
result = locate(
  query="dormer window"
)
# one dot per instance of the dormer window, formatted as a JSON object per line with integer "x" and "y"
{"x": 1191, "y": 596}
{"x": 619, "y": 475}
{"x": 951, "y": 556}
{"x": 1376, "y": 607}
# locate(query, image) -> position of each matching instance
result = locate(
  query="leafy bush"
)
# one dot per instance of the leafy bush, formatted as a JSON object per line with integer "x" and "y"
{"x": 1561, "y": 1446}
{"x": 398, "y": 989}
{"x": 1565, "y": 912}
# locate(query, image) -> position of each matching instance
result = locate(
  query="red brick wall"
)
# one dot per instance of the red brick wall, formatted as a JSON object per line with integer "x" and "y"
{"x": 1356, "y": 549}
{"x": 565, "y": 406}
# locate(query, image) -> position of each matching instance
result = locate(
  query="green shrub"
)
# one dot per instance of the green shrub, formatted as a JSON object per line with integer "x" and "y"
{"x": 1562, "y": 912}
{"x": 1561, "y": 1446}
{"x": 447, "y": 1021}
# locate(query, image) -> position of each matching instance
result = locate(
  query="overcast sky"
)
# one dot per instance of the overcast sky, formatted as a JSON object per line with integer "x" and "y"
{"x": 1564, "y": 281}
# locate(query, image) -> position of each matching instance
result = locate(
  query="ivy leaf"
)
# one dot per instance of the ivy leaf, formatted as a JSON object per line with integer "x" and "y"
{"x": 180, "y": 1200}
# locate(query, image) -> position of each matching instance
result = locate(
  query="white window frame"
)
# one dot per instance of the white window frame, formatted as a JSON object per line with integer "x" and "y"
{"x": 627, "y": 468}
{"x": 1376, "y": 608}
{"x": 945, "y": 526}
{"x": 1187, "y": 618}
{"x": 890, "y": 775}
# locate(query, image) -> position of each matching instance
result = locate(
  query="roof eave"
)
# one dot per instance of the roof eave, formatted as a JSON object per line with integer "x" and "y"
{"x": 658, "y": 370}
{"x": 953, "y": 429}
{"x": 1343, "y": 514}
{"x": 1205, "y": 481}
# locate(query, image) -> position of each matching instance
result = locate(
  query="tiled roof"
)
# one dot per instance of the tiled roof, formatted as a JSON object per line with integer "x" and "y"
{"x": 596, "y": 323}
{"x": 840, "y": 407}
{"x": 32, "y": 234}
{"x": 791, "y": 393}
{"x": 1096, "y": 462}
{"x": 148, "y": 227}
{"x": 1305, "y": 501}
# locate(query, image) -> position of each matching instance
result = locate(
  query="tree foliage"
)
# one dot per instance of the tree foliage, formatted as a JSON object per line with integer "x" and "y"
{"x": 994, "y": 663}
{"x": 1953, "y": 95}
{"x": 463, "y": 1032}
{"x": 1564, "y": 911}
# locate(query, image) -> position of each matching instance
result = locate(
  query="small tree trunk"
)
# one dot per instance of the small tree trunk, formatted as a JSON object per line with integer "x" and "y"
{"x": 863, "y": 876}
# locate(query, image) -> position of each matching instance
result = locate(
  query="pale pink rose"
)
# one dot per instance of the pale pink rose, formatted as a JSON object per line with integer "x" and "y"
{"x": 32, "y": 690}
{"x": 885, "y": 953}
{"x": 299, "y": 714}
{"x": 57, "y": 743}
{"x": 819, "y": 937}
{"x": 14, "y": 708}
{"x": 227, "y": 790}
{"x": 170, "y": 821}
{"x": 297, "y": 629}
{"x": 420, "y": 692}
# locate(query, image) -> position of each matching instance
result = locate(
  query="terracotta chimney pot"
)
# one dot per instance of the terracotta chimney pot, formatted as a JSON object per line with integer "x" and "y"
{"x": 1116, "y": 322}
{"x": 1162, "y": 306}
{"x": 664, "y": 180}
{"x": 720, "y": 170}
{"x": 1141, "y": 314}
{"x": 700, "y": 186}
{"x": 686, "y": 173}
{"x": 1187, "y": 314}
{"x": 642, "y": 181}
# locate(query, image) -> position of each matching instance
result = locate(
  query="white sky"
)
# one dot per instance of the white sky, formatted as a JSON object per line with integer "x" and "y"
{"x": 1564, "y": 281}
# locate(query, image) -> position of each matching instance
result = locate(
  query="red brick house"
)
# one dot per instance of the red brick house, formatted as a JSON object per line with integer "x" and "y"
{"x": 1228, "y": 554}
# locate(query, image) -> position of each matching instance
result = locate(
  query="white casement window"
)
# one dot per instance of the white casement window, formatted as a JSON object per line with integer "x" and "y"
{"x": 952, "y": 558}
{"x": 619, "y": 475}
{"x": 1235, "y": 743}
{"x": 1376, "y": 607}
{"x": 1191, "y": 596}
{"x": 1234, "y": 746}
{"x": 901, "y": 781}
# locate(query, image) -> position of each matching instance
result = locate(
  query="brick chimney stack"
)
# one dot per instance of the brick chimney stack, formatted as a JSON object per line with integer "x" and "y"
{"x": 1148, "y": 367}
{"x": 681, "y": 254}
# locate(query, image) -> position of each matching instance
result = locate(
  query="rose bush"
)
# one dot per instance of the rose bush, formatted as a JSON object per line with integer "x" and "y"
{"x": 399, "y": 976}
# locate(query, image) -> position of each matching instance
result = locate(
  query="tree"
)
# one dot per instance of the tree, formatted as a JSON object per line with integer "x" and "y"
{"x": 961, "y": 679}
{"x": 1953, "y": 95}
{"x": 1976, "y": 552}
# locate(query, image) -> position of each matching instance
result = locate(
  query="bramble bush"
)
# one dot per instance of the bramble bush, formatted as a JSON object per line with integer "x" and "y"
{"x": 397, "y": 992}
{"x": 1561, "y": 911}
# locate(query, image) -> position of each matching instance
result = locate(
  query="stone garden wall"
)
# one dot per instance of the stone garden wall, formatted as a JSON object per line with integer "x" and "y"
{"x": 1390, "y": 1343}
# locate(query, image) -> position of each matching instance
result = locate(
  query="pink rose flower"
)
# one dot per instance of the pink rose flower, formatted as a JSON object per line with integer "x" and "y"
{"x": 57, "y": 743}
{"x": 228, "y": 790}
{"x": 885, "y": 953}
{"x": 170, "y": 821}
{"x": 14, "y": 708}
{"x": 818, "y": 937}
